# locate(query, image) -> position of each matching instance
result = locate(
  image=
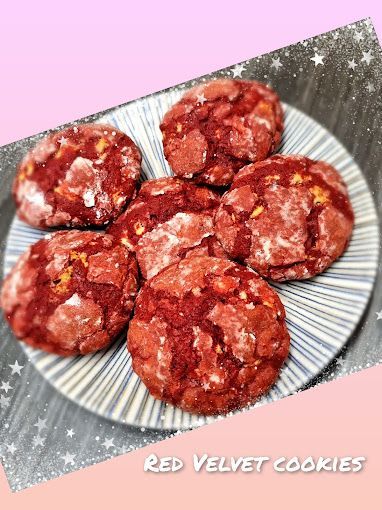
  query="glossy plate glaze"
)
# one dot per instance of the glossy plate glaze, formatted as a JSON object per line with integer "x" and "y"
{"x": 322, "y": 312}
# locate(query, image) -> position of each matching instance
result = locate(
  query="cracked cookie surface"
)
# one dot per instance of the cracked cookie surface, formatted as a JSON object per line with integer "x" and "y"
{"x": 170, "y": 219}
{"x": 218, "y": 127}
{"x": 71, "y": 293}
{"x": 83, "y": 175}
{"x": 287, "y": 217}
{"x": 208, "y": 335}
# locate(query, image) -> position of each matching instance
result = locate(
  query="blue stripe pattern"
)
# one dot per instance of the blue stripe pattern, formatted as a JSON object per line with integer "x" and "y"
{"x": 322, "y": 312}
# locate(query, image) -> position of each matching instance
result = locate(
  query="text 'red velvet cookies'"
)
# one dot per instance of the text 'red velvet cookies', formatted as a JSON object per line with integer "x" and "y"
{"x": 287, "y": 217}
{"x": 71, "y": 293}
{"x": 220, "y": 126}
{"x": 169, "y": 220}
{"x": 83, "y": 175}
{"x": 208, "y": 335}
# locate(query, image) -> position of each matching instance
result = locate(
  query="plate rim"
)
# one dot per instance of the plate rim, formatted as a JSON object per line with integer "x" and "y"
{"x": 262, "y": 401}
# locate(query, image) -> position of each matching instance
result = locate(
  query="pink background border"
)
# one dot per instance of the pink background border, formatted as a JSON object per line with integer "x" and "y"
{"x": 342, "y": 418}
{"x": 66, "y": 60}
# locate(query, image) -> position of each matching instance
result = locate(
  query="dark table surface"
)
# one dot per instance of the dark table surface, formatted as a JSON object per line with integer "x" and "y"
{"x": 348, "y": 103}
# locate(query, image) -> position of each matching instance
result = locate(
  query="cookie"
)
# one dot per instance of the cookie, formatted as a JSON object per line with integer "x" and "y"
{"x": 83, "y": 175}
{"x": 71, "y": 293}
{"x": 288, "y": 217}
{"x": 208, "y": 335}
{"x": 170, "y": 219}
{"x": 220, "y": 126}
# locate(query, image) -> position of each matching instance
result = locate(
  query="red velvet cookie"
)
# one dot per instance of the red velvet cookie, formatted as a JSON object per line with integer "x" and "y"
{"x": 71, "y": 293}
{"x": 208, "y": 335}
{"x": 170, "y": 219}
{"x": 220, "y": 126}
{"x": 83, "y": 175}
{"x": 287, "y": 217}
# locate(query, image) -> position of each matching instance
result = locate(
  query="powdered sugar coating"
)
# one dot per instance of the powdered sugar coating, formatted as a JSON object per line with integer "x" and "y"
{"x": 83, "y": 175}
{"x": 71, "y": 293}
{"x": 287, "y": 217}
{"x": 169, "y": 220}
{"x": 218, "y": 127}
{"x": 208, "y": 335}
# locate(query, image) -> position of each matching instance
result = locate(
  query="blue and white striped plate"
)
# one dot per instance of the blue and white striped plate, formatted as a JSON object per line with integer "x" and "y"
{"x": 322, "y": 312}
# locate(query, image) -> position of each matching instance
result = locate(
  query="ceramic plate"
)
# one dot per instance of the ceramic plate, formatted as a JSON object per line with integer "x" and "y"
{"x": 322, "y": 312}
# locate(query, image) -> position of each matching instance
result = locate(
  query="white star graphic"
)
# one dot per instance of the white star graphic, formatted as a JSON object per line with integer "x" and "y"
{"x": 62, "y": 141}
{"x": 340, "y": 361}
{"x": 358, "y": 36}
{"x": 238, "y": 70}
{"x": 317, "y": 59}
{"x": 5, "y": 386}
{"x": 16, "y": 368}
{"x": 352, "y": 65}
{"x": 41, "y": 424}
{"x": 276, "y": 63}
{"x": 200, "y": 99}
{"x": 68, "y": 458}
{"x": 4, "y": 401}
{"x": 11, "y": 448}
{"x": 379, "y": 315}
{"x": 369, "y": 26}
{"x": 38, "y": 441}
{"x": 367, "y": 57}
{"x": 70, "y": 432}
{"x": 108, "y": 443}
{"x": 370, "y": 88}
